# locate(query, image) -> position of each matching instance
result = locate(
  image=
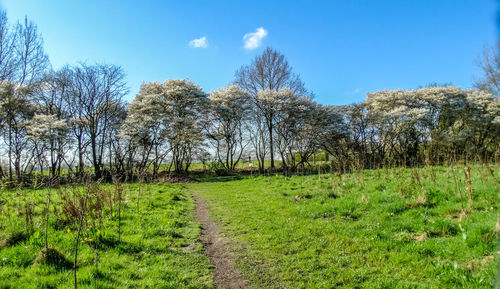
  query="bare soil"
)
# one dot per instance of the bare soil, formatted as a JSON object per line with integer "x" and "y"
{"x": 216, "y": 249}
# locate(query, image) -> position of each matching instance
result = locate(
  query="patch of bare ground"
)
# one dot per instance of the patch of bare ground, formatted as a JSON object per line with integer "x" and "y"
{"x": 215, "y": 245}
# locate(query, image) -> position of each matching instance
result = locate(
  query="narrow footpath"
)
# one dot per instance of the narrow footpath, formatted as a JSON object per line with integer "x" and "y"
{"x": 226, "y": 276}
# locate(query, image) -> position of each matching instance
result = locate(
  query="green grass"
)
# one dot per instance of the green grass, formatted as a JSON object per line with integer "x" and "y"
{"x": 395, "y": 228}
{"x": 158, "y": 247}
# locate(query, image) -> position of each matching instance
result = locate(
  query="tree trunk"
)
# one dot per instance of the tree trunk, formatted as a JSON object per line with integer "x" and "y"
{"x": 81, "y": 163}
{"x": 97, "y": 167}
{"x": 10, "y": 153}
{"x": 271, "y": 148}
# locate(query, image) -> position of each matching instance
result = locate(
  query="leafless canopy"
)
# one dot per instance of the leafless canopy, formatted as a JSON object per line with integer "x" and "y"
{"x": 489, "y": 62}
{"x": 22, "y": 57}
{"x": 270, "y": 70}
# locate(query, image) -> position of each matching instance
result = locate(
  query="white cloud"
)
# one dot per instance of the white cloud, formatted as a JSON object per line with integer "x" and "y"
{"x": 201, "y": 42}
{"x": 254, "y": 39}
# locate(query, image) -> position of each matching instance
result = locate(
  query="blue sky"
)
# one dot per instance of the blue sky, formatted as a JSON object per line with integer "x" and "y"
{"x": 341, "y": 49}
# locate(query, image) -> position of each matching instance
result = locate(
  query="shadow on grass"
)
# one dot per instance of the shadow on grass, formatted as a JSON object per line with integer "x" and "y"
{"x": 112, "y": 242}
{"x": 246, "y": 175}
{"x": 52, "y": 257}
{"x": 220, "y": 179}
{"x": 14, "y": 239}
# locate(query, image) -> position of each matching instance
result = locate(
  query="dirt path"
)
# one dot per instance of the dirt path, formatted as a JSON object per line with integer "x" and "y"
{"x": 226, "y": 276}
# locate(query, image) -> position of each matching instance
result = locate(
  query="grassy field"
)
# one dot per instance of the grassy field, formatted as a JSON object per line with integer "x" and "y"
{"x": 397, "y": 228}
{"x": 433, "y": 227}
{"x": 158, "y": 246}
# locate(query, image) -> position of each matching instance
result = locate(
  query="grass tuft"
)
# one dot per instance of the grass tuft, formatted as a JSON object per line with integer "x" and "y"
{"x": 14, "y": 239}
{"x": 52, "y": 257}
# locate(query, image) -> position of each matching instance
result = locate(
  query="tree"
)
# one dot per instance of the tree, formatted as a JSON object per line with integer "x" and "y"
{"x": 117, "y": 150}
{"x": 22, "y": 57}
{"x": 45, "y": 131}
{"x": 8, "y": 57}
{"x": 146, "y": 126}
{"x": 22, "y": 63}
{"x": 329, "y": 131}
{"x": 430, "y": 123}
{"x": 173, "y": 111}
{"x": 185, "y": 103}
{"x": 363, "y": 136}
{"x": 259, "y": 136}
{"x": 269, "y": 71}
{"x": 294, "y": 118}
{"x": 481, "y": 128}
{"x": 96, "y": 99}
{"x": 227, "y": 116}
{"x": 489, "y": 62}
{"x": 30, "y": 53}
{"x": 15, "y": 111}
{"x": 51, "y": 107}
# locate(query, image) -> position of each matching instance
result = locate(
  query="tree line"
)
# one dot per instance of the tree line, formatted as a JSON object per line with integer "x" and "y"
{"x": 73, "y": 122}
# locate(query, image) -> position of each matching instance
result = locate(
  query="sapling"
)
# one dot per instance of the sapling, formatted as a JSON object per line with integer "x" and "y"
{"x": 416, "y": 177}
{"x": 94, "y": 211}
{"x": 46, "y": 209}
{"x": 463, "y": 214}
{"x": 400, "y": 180}
{"x": 361, "y": 175}
{"x": 93, "y": 237}
{"x": 433, "y": 176}
{"x": 484, "y": 177}
{"x": 150, "y": 194}
{"x": 340, "y": 181}
{"x": 139, "y": 192}
{"x": 81, "y": 217}
{"x": 468, "y": 185}
{"x": 118, "y": 196}
{"x": 457, "y": 188}
{"x": 28, "y": 214}
{"x": 47, "y": 214}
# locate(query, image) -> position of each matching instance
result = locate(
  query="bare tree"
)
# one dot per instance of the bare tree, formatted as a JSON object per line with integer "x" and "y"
{"x": 29, "y": 47}
{"x": 489, "y": 62}
{"x": 97, "y": 97}
{"x": 269, "y": 71}
{"x": 50, "y": 100}
{"x": 8, "y": 59}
